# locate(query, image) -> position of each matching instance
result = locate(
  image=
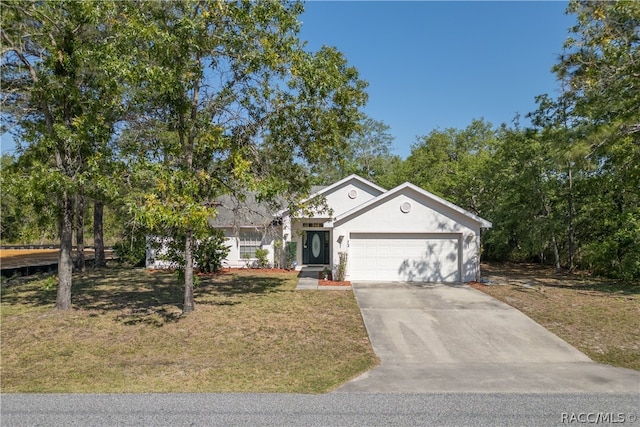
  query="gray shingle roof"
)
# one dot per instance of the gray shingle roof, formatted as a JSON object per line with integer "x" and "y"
{"x": 240, "y": 212}
{"x": 236, "y": 212}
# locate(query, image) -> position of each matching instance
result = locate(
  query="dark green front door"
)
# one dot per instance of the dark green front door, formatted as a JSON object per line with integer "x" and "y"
{"x": 315, "y": 249}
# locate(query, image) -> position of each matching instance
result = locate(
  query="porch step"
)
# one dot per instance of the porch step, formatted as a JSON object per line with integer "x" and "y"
{"x": 308, "y": 279}
{"x": 307, "y": 283}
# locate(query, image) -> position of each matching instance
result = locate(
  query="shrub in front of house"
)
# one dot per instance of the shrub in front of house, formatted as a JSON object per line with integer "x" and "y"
{"x": 131, "y": 250}
{"x": 210, "y": 252}
{"x": 262, "y": 256}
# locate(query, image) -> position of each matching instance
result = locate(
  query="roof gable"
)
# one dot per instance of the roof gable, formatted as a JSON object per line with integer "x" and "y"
{"x": 402, "y": 188}
{"x": 353, "y": 181}
{"x": 350, "y": 179}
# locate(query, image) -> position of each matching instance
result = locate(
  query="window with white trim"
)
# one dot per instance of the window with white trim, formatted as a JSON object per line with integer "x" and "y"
{"x": 250, "y": 240}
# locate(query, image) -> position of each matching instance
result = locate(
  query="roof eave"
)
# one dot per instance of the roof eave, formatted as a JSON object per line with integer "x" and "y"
{"x": 333, "y": 186}
{"x": 482, "y": 222}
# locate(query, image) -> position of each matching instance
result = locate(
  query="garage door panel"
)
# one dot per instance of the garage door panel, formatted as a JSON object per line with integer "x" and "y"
{"x": 405, "y": 257}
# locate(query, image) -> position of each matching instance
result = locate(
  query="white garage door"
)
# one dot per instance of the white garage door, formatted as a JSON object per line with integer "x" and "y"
{"x": 404, "y": 257}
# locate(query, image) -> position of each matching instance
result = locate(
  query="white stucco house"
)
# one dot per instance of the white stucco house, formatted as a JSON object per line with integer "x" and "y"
{"x": 247, "y": 225}
{"x": 402, "y": 234}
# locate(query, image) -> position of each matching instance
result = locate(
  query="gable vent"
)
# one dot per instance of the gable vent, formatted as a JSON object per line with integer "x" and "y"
{"x": 405, "y": 207}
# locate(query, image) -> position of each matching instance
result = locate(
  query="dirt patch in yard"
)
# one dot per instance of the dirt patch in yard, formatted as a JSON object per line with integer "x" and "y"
{"x": 599, "y": 317}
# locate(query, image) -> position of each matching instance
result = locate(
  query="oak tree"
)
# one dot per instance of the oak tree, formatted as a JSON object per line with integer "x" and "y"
{"x": 61, "y": 91}
{"x": 236, "y": 104}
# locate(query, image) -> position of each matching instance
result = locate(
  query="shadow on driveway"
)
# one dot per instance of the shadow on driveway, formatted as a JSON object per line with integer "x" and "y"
{"x": 452, "y": 338}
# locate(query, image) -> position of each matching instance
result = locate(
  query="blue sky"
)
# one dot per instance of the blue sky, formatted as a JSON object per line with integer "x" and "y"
{"x": 439, "y": 65}
{"x": 435, "y": 65}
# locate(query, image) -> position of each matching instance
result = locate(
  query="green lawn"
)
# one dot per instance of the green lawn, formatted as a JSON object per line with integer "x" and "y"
{"x": 251, "y": 332}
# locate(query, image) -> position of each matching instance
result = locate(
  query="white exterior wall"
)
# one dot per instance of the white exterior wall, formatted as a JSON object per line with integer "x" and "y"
{"x": 157, "y": 249}
{"x": 233, "y": 259}
{"x": 339, "y": 201}
{"x": 425, "y": 216}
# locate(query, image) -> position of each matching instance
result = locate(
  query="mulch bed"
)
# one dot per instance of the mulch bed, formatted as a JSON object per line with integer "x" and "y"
{"x": 333, "y": 283}
{"x": 249, "y": 271}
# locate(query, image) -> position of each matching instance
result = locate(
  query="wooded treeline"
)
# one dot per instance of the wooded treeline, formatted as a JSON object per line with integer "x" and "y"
{"x": 564, "y": 190}
{"x": 151, "y": 110}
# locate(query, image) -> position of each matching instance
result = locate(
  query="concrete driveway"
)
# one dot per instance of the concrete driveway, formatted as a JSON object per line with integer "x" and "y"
{"x": 453, "y": 338}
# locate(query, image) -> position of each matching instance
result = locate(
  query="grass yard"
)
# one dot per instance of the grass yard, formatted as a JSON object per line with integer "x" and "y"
{"x": 599, "y": 317}
{"x": 251, "y": 332}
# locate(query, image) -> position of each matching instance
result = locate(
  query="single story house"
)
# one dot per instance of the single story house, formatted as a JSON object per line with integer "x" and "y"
{"x": 247, "y": 225}
{"x": 402, "y": 234}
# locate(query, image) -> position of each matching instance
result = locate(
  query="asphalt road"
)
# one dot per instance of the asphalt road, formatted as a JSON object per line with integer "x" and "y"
{"x": 336, "y": 409}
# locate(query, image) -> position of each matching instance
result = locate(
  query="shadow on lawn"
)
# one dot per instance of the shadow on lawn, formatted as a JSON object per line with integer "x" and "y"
{"x": 611, "y": 288}
{"x": 231, "y": 285}
{"x": 538, "y": 275}
{"x": 138, "y": 296}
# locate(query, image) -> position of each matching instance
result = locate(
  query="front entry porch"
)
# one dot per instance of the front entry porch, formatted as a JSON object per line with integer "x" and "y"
{"x": 316, "y": 247}
{"x": 308, "y": 280}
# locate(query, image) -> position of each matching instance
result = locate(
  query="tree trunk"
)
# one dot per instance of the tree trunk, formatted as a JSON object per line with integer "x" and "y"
{"x": 98, "y": 234}
{"x": 65, "y": 261}
{"x": 187, "y": 144}
{"x": 189, "y": 303}
{"x": 572, "y": 237}
{"x": 556, "y": 254}
{"x": 80, "y": 262}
